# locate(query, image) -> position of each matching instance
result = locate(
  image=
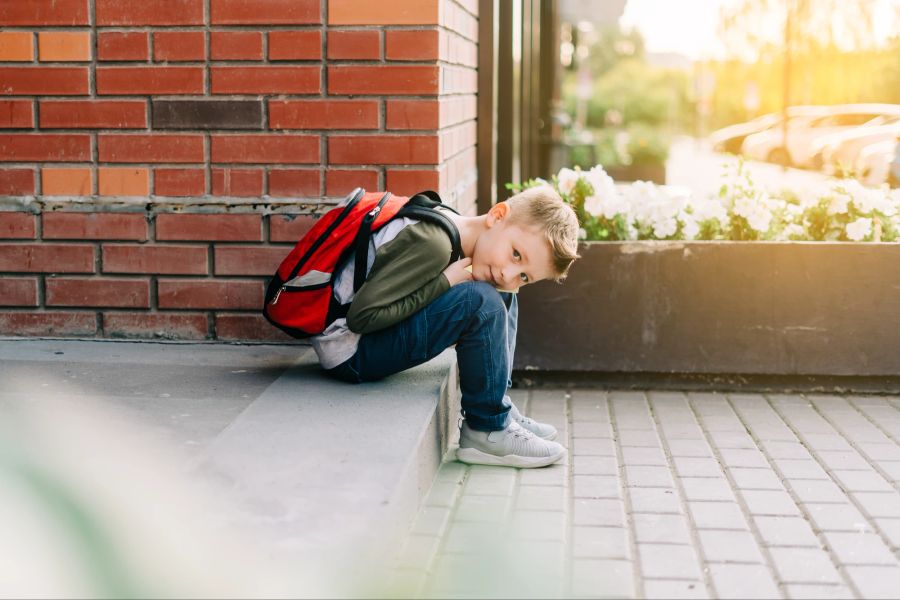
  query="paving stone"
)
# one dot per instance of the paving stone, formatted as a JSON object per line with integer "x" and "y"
{"x": 490, "y": 481}
{"x": 717, "y": 515}
{"x": 669, "y": 529}
{"x": 458, "y": 575}
{"x": 759, "y": 479}
{"x": 886, "y": 451}
{"x": 695, "y": 448}
{"x": 407, "y": 583}
{"x": 596, "y": 486}
{"x": 539, "y": 525}
{"x": 875, "y": 582}
{"x": 862, "y": 481}
{"x": 639, "y": 437}
{"x": 836, "y": 517}
{"x": 674, "y": 588}
{"x": 654, "y": 500}
{"x": 431, "y": 520}
{"x": 806, "y": 591}
{"x": 668, "y": 561}
{"x": 861, "y": 548}
{"x": 729, "y": 546}
{"x": 596, "y": 465}
{"x": 600, "y": 542}
{"x": 879, "y": 504}
{"x": 723, "y": 423}
{"x": 768, "y": 502}
{"x": 552, "y": 475}
{"x": 633, "y": 455}
{"x": 647, "y": 476}
{"x": 472, "y": 537}
{"x": 589, "y": 409}
{"x": 891, "y": 469}
{"x": 743, "y": 457}
{"x": 792, "y": 468}
{"x": 706, "y": 488}
{"x": 491, "y": 509}
{"x": 786, "y": 531}
{"x": 697, "y": 467}
{"x": 541, "y": 497}
{"x": 786, "y": 450}
{"x": 849, "y": 460}
{"x": 593, "y": 447}
{"x": 804, "y": 565}
{"x": 687, "y": 432}
{"x": 827, "y": 442}
{"x": 742, "y": 581}
{"x": 891, "y": 529}
{"x": 731, "y": 439}
{"x": 603, "y": 578}
{"x": 418, "y": 551}
{"x": 452, "y": 471}
{"x": 443, "y": 493}
{"x": 598, "y": 512}
{"x": 817, "y": 490}
{"x": 591, "y": 429}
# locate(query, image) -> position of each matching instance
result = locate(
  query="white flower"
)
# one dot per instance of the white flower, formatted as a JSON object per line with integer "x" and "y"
{"x": 859, "y": 229}
{"x": 689, "y": 228}
{"x": 605, "y": 199}
{"x": 566, "y": 180}
{"x": 792, "y": 230}
{"x": 754, "y": 208}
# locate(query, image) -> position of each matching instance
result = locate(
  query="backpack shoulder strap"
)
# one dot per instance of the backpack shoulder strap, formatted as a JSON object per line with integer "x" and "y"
{"x": 431, "y": 215}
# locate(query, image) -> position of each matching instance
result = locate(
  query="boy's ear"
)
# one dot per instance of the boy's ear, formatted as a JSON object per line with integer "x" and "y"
{"x": 497, "y": 212}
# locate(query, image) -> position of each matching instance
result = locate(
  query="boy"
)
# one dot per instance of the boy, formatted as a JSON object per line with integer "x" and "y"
{"x": 413, "y": 306}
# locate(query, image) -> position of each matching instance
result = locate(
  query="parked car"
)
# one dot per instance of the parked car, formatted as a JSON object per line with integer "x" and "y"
{"x": 805, "y": 132}
{"x": 768, "y": 145}
{"x": 729, "y": 139}
{"x": 873, "y": 165}
{"x": 838, "y": 152}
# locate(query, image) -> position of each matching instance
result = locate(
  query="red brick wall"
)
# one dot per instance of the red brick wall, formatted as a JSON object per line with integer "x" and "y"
{"x": 154, "y": 153}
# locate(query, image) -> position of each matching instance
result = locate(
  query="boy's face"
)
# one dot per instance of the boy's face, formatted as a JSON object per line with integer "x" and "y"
{"x": 510, "y": 255}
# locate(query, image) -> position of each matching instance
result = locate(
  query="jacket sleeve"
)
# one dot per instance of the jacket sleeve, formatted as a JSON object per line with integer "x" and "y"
{"x": 406, "y": 276}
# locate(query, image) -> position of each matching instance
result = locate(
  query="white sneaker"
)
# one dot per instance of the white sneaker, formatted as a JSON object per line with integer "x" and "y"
{"x": 514, "y": 446}
{"x": 542, "y": 430}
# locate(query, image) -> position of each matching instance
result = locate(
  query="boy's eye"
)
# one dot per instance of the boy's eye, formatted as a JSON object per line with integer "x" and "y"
{"x": 523, "y": 277}
{"x": 516, "y": 255}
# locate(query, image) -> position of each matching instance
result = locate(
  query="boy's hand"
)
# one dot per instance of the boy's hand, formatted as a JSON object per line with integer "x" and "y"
{"x": 459, "y": 272}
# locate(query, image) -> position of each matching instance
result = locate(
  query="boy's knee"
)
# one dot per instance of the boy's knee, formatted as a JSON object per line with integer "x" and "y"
{"x": 486, "y": 298}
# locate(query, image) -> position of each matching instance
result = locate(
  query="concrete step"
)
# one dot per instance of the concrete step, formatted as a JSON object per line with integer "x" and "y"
{"x": 323, "y": 474}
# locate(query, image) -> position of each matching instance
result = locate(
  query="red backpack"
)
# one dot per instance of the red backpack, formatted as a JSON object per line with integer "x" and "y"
{"x": 300, "y": 299}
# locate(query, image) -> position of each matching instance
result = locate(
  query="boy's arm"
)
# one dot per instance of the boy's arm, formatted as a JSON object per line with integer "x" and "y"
{"x": 406, "y": 276}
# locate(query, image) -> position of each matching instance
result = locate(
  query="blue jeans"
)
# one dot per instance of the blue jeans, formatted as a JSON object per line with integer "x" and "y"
{"x": 477, "y": 318}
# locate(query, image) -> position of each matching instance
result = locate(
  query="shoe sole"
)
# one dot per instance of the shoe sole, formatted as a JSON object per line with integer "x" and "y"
{"x": 473, "y": 456}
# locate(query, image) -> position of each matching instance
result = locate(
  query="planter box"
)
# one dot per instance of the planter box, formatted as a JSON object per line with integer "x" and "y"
{"x": 653, "y": 173}
{"x": 771, "y": 308}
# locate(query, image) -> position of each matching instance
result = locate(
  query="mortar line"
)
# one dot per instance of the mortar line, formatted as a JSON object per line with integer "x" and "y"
{"x": 569, "y": 547}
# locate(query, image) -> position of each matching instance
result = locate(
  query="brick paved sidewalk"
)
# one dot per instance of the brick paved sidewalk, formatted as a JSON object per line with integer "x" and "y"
{"x": 675, "y": 495}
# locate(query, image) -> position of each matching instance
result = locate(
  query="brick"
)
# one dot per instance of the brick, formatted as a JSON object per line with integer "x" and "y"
{"x": 149, "y": 80}
{"x": 265, "y": 12}
{"x": 323, "y": 114}
{"x": 295, "y": 45}
{"x": 340, "y": 182}
{"x": 218, "y": 228}
{"x": 16, "y": 13}
{"x": 168, "y": 326}
{"x": 404, "y": 44}
{"x": 16, "y": 114}
{"x": 94, "y": 226}
{"x": 402, "y": 12}
{"x": 375, "y": 80}
{"x": 287, "y": 149}
{"x": 123, "y": 45}
{"x": 16, "y": 46}
{"x": 294, "y": 182}
{"x": 383, "y": 149}
{"x": 149, "y": 12}
{"x": 236, "y": 327}
{"x": 94, "y": 291}
{"x": 16, "y": 182}
{"x": 407, "y": 182}
{"x": 180, "y": 182}
{"x": 289, "y": 228}
{"x": 22, "y": 147}
{"x": 18, "y": 291}
{"x": 237, "y": 182}
{"x": 412, "y": 114}
{"x": 64, "y": 46}
{"x": 236, "y": 45}
{"x": 163, "y": 260}
{"x": 47, "y": 258}
{"x": 17, "y": 225}
{"x": 48, "y": 323}
{"x": 134, "y": 148}
{"x": 39, "y": 81}
{"x": 266, "y": 80}
{"x": 232, "y": 294}
{"x": 178, "y": 46}
{"x": 354, "y": 45}
{"x": 93, "y": 114}
{"x": 113, "y": 181}
{"x": 248, "y": 260}
{"x": 67, "y": 181}
{"x": 207, "y": 114}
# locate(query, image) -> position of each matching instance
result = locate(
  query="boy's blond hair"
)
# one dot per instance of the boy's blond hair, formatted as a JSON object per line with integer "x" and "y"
{"x": 542, "y": 207}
